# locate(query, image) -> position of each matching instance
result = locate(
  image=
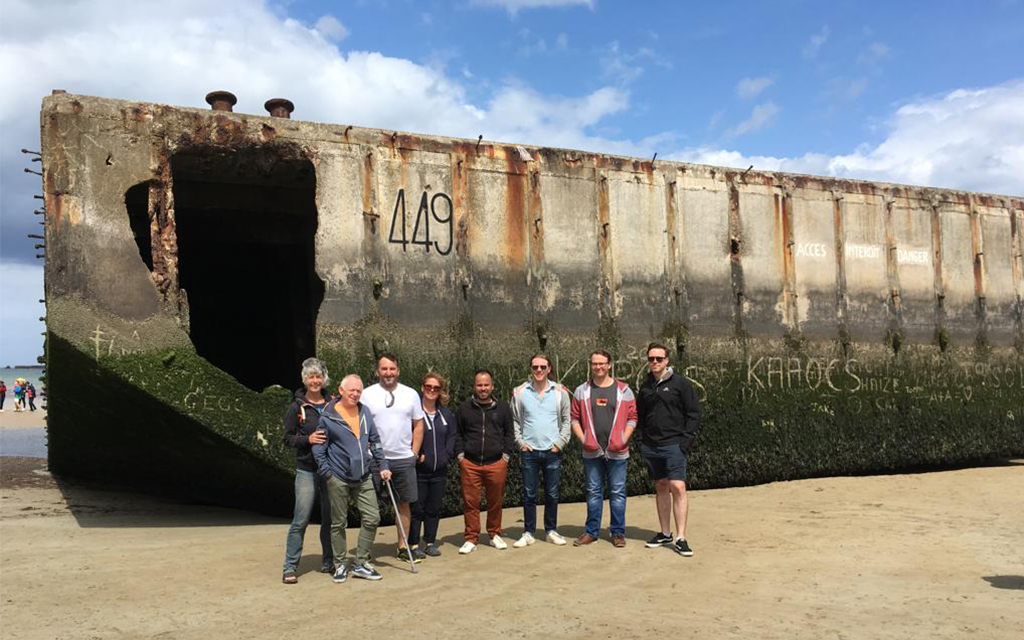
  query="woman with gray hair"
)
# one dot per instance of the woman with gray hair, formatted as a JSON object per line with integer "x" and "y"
{"x": 301, "y": 431}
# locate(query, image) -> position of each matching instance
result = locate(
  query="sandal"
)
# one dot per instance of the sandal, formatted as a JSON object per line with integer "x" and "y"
{"x": 289, "y": 578}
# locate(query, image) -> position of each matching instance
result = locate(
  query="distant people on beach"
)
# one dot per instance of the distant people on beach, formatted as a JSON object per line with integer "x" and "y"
{"x": 30, "y": 395}
{"x": 19, "y": 395}
{"x": 341, "y": 443}
{"x": 3, "y": 395}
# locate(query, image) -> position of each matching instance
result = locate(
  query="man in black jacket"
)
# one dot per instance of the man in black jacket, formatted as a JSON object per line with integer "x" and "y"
{"x": 669, "y": 418}
{"x": 483, "y": 445}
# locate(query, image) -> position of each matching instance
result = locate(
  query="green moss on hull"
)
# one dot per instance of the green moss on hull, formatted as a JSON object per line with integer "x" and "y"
{"x": 168, "y": 420}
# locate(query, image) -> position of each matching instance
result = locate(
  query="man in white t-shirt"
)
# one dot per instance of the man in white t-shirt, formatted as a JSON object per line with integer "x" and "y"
{"x": 398, "y": 415}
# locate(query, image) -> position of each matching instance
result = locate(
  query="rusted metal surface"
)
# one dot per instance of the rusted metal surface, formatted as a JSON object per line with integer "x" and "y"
{"x": 894, "y": 303}
{"x": 221, "y": 100}
{"x": 842, "y": 302}
{"x": 783, "y": 208}
{"x": 978, "y": 251}
{"x": 279, "y": 107}
{"x": 735, "y": 249}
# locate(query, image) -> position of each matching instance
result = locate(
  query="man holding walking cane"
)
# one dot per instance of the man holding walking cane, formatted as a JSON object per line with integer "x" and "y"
{"x": 344, "y": 463}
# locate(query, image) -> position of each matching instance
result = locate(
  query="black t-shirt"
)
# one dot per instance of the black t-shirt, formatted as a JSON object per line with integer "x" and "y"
{"x": 602, "y": 407}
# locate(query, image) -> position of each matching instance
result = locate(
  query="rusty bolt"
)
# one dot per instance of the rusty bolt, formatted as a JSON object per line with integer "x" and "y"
{"x": 279, "y": 107}
{"x": 221, "y": 100}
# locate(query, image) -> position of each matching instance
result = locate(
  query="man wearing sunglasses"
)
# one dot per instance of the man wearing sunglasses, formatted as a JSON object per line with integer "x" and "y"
{"x": 669, "y": 417}
{"x": 398, "y": 414}
{"x": 540, "y": 419}
{"x": 603, "y": 418}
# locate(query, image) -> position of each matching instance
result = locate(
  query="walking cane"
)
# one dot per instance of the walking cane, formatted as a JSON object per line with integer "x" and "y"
{"x": 401, "y": 529}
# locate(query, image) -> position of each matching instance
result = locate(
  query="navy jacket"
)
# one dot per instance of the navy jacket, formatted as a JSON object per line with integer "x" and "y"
{"x": 344, "y": 455}
{"x": 438, "y": 441}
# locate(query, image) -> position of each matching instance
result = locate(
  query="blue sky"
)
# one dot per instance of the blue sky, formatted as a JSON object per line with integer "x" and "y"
{"x": 915, "y": 92}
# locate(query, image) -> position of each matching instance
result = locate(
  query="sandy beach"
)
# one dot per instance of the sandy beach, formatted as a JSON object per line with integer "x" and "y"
{"x": 934, "y": 555}
{"x": 11, "y": 419}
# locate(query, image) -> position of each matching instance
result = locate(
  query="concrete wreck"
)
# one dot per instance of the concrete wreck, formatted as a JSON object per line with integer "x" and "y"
{"x": 195, "y": 257}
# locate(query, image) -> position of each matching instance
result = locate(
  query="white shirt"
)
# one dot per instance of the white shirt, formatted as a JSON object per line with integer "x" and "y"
{"x": 394, "y": 423}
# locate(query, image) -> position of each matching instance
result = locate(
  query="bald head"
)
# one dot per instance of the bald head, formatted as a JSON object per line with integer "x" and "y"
{"x": 351, "y": 389}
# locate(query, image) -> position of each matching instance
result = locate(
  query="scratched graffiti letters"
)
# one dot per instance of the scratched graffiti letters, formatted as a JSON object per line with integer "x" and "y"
{"x": 110, "y": 343}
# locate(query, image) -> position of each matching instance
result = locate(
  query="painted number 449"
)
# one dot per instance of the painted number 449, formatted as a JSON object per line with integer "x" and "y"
{"x": 429, "y": 209}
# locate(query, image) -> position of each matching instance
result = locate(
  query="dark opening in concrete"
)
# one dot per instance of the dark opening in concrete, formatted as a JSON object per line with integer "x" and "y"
{"x": 246, "y": 221}
{"x": 136, "y": 199}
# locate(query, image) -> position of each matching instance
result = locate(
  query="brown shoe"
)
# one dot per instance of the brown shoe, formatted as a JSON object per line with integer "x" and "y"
{"x": 619, "y": 541}
{"x": 586, "y": 538}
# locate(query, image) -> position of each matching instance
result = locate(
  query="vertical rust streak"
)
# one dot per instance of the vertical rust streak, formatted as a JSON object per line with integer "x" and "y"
{"x": 374, "y": 223}
{"x": 839, "y": 226}
{"x": 515, "y": 214}
{"x": 460, "y": 226}
{"x": 604, "y": 244}
{"x": 784, "y": 206}
{"x": 672, "y": 259}
{"x": 978, "y": 251}
{"x": 735, "y": 250}
{"x": 1017, "y": 261}
{"x": 461, "y": 220}
{"x": 536, "y": 217}
{"x": 937, "y": 266}
{"x": 894, "y": 303}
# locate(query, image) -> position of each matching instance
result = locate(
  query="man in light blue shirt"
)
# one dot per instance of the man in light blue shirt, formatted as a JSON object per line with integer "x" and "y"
{"x": 540, "y": 421}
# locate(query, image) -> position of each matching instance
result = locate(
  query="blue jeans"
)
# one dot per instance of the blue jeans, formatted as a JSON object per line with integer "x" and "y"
{"x": 533, "y": 464}
{"x": 307, "y": 486}
{"x": 596, "y": 470}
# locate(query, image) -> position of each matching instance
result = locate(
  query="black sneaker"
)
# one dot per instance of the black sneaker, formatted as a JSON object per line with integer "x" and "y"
{"x": 417, "y": 555}
{"x": 682, "y": 548}
{"x": 366, "y": 572}
{"x": 432, "y": 551}
{"x": 403, "y": 555}
{"x": 340, "y": 574}
{"x": 327, "y": 568}
{"x": 659, "y": 540}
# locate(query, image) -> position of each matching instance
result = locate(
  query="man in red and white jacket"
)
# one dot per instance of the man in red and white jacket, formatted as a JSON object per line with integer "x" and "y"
{"x": 603, "y": 416}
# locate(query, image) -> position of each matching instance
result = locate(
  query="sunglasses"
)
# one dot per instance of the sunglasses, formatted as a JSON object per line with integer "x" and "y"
{"x": 389, "y": 401}
{"x": 657, "y": 358}
{"x": 539, "y": 367}
{"x": 431, "y": 387}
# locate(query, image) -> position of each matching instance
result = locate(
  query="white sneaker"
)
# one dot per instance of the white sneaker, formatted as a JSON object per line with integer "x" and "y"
{"x": 555, "y": 538}
{"x": 525, "y": 540}
{"x": 467, "y": 547}
{"x": 498, "y": 543}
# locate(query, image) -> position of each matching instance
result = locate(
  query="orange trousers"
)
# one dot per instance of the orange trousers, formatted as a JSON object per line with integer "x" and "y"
{"x": 489, "y": 479}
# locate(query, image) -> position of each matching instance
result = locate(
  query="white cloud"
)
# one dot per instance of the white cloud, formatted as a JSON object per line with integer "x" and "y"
{"x": 332, "y": 28}
{"x": 874, "y": 53}
{"x": 761, "y": 116}
{"x": 562, "y": 41}
{"x": 624, "y": 67}
{"x": 515, "y": 6}
{"x": 971, "y": 139}
{"x": 748, "y": 88}
{"x": 841, "y": 89}
{"x": 815, "y": 42}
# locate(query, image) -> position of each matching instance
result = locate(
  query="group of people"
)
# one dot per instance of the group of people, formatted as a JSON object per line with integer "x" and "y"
{"x": 24, "y": 395}
{"x": 390, "y": 432}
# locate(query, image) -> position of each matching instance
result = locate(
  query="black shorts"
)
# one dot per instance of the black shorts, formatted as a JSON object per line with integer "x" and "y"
{"x": 665, "y": 461}
{"x": 403, "y": 479}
